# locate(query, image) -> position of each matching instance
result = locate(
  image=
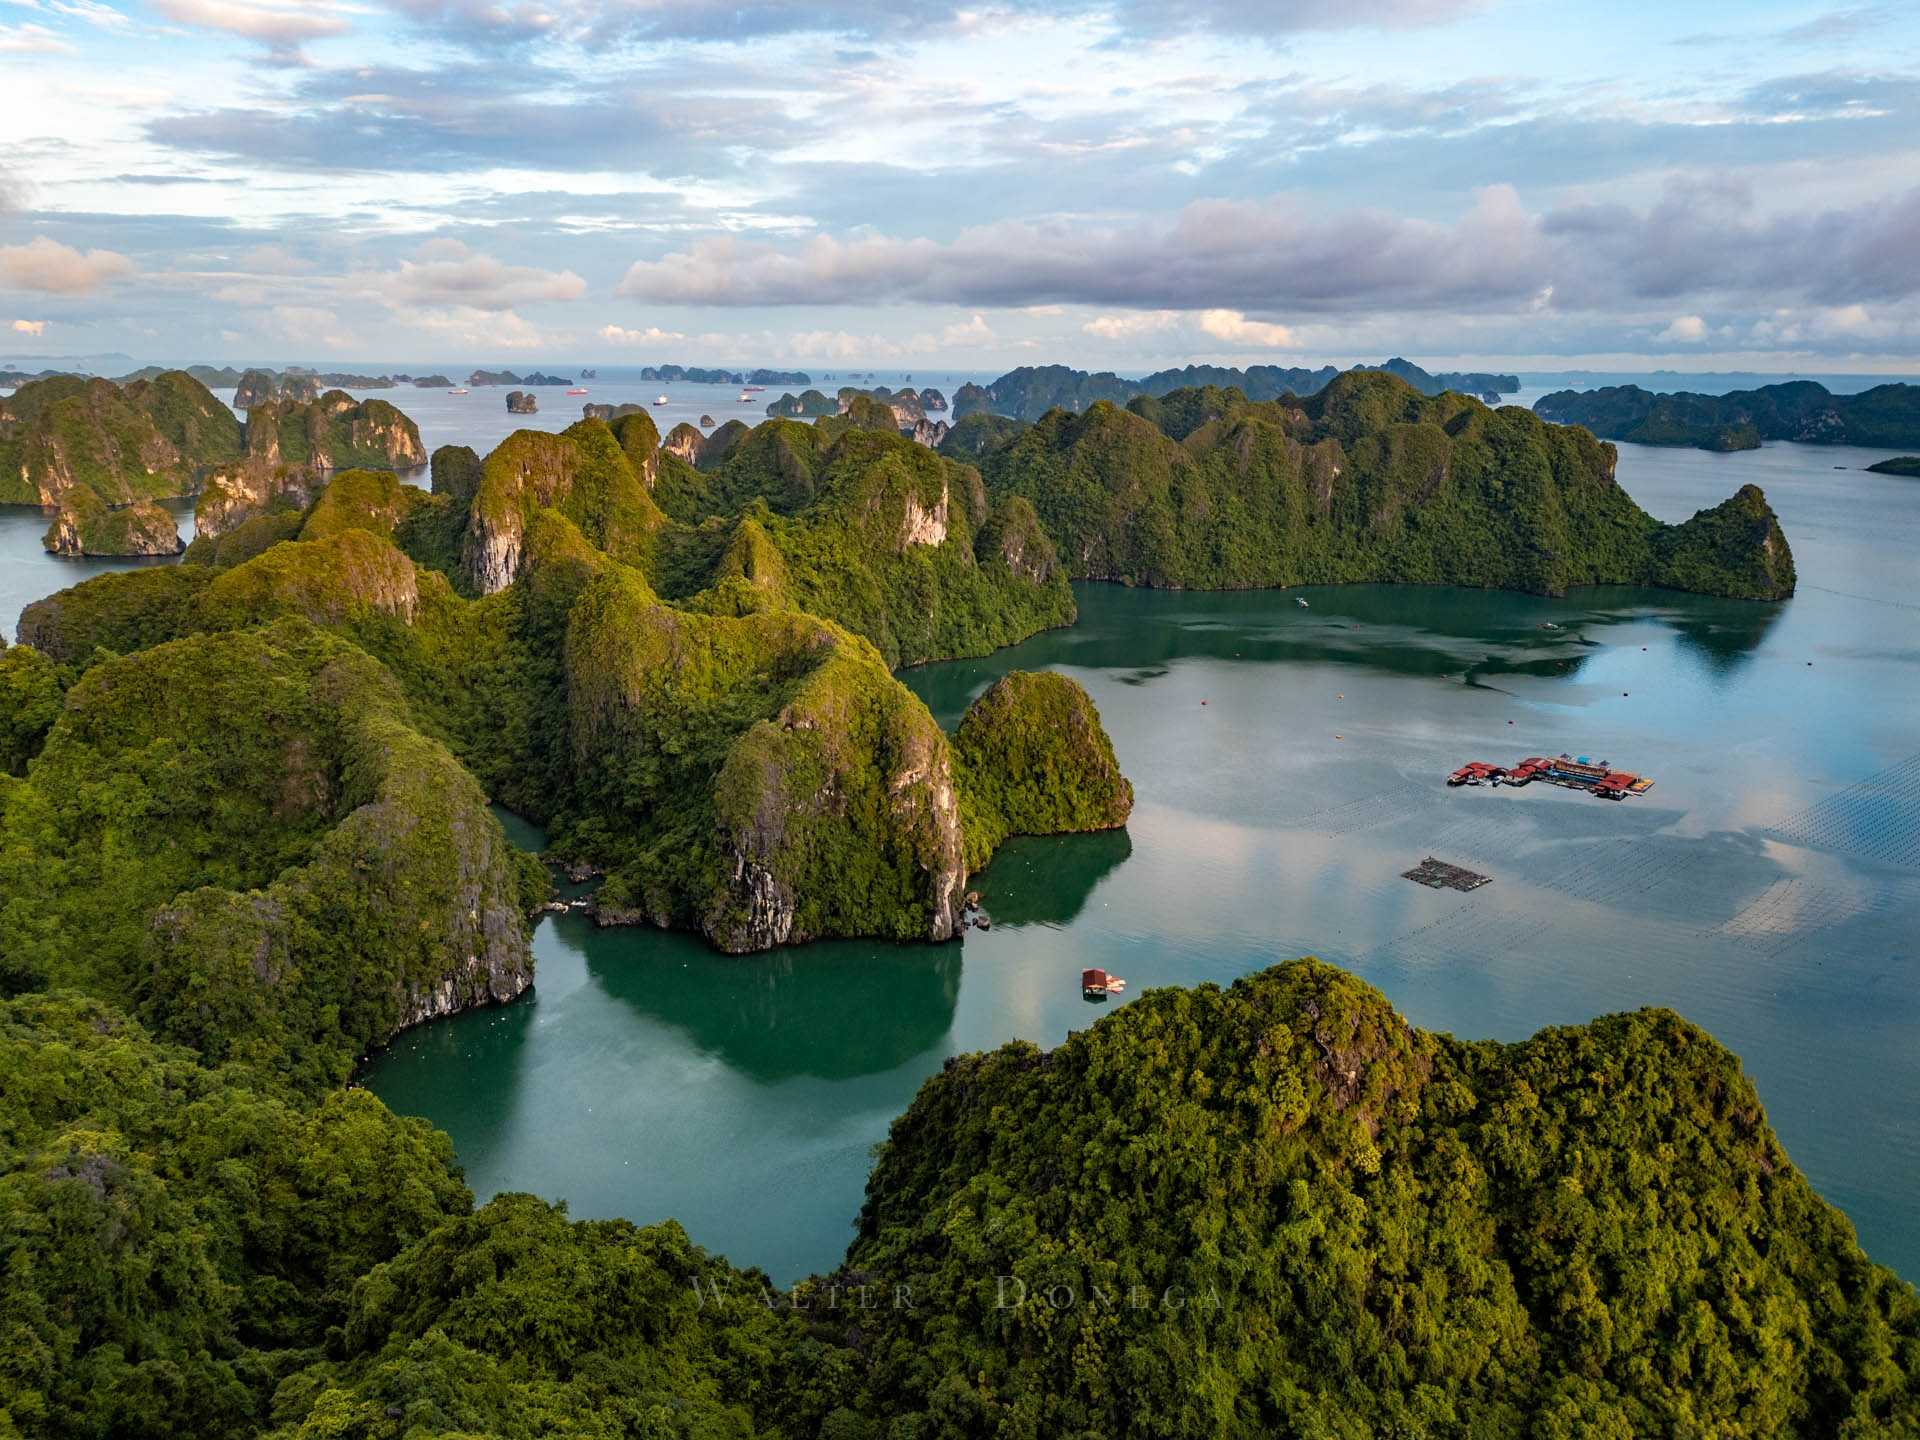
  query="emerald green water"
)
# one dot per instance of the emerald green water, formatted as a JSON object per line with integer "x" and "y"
{"x": 1752, "y": 890}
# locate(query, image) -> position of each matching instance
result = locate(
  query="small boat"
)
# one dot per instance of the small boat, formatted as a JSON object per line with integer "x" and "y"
{"x": 1301, "y": 601}
{"x": 462, "y": 390}
{"x": 745, "y": 396}
{"x": 660, "y": 400}
{"x": 753, "y": 390}
{"x": 1098, "y": 984}
{"x": 578, "y": 390}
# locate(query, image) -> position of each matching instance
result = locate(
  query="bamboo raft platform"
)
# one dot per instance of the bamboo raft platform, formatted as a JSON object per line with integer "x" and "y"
{"x": 1439, "y": 875}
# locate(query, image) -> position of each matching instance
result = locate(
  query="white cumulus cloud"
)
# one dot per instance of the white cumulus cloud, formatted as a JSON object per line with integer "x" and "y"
{"x": 51, "y": 268}
{"x": 652, "y": 335}
{"x": 281, "y": 26}
{"x": 1685, "y": 330}
{"x": 1232, "y": 326}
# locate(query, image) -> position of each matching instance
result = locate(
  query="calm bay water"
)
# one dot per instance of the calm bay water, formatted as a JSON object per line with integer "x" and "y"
{"x": 1768, "y": 887}
{"x": 648, "y": 1077}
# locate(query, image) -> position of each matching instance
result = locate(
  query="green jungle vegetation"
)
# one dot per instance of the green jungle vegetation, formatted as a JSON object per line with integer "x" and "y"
{"x": 1898, "y": 465}
{"x": 86, "y": 525}
{"x": 244, "y": 838}
{"x": 1029, "y": 392}
{"x": 148, "y": 440}
{"x": 1017, "y": 775}
{"x": 1368, "y": 480}
{"x": 1801, "y": 410}
{"x": 98, "y": 452}
{"x": 1271, "y": 1209}
{"x": 737, "y": 757}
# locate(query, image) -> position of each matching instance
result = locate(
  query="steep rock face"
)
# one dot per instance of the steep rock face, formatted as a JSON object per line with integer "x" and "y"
{"x": 639, "y": 438}
{"x": 925, "y": 524}
{"x": 151, "y": 439}
{"x": 582, "y": 472}
{"x": 1014, "y": 537}
{"x": 761, "y": 778}
{"x": 291, "y": 448}
{"x": 722, "y": 443}
{"x": 928, "y": 433}
{"x": 877, "y": 534}
{"x": 86, "y": 525}
{"x": 932, "y": 400}
{"x": 1034, "y": 759}
{"x": 792, "y": 786}
{"x": 1736, "y": 548}
{"x": 522, "y": 402}
{"x": 685, "y": 442}
{"x": 311, "y": 875}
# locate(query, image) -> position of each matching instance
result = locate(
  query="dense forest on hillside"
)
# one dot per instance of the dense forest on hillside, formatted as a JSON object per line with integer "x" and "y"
{"x": 244, "y": 838}
{"x": 1366, "y": 481}
{"x": 737, "y": 755}
{"x": 98, "y": 453}
{"x": 1800, "y": 410}
{"x": 1271, "y": 1209}
{"x": 1031, "y": 391}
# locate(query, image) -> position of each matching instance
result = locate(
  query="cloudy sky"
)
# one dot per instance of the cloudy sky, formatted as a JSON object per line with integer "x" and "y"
{"x": 1114, "y": 183}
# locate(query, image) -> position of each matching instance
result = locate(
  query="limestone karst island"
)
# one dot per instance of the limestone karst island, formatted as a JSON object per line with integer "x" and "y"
{"x": 879, "y": 723}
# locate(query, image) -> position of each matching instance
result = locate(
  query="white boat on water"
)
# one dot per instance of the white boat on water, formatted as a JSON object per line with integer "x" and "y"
{"x": 745, "y": 397}
{"x": 461, "y": 391}
{"x": 1301, "y": 601}
{"x": 660, "y": 400}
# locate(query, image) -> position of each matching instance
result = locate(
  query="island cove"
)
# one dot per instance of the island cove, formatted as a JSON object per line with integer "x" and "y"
{"x": 246, "y": 840}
